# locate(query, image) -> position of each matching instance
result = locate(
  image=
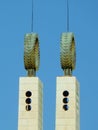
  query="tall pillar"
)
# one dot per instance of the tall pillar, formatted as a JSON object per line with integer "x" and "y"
{"x": 67, "y": 87}
{"x": 67, "y": 103}
{"x": 30, "y": 104}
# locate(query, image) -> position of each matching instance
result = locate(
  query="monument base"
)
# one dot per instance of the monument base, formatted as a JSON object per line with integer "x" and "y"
{"x": 30, "y": 104}
{"x": 67, "y": 103}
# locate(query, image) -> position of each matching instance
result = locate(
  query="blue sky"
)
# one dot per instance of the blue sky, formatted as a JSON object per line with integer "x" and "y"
{"x": 49, "y": 23}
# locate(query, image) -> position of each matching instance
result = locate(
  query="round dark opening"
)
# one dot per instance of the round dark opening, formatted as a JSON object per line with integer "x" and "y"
{"x": 28, "y": 107}
{"x": 65, "y": 100}
{"x": 28, "y": 94}
{"x": 28, "y": 100}
{"x": 65, "y": 107}
{"x": 65, "y": 93}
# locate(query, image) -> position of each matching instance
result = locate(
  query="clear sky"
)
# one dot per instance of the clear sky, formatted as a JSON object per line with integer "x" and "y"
{"x": 49, "y": 23}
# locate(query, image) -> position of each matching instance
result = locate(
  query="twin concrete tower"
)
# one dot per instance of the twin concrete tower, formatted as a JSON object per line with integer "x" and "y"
{"x": 67, "y": 88}
{"x": 30, "y": 88}
{"x": 30, "y": 115}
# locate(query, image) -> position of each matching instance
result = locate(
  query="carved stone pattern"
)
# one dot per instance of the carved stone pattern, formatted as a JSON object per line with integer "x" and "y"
{"x": 31, "y": 52}
{"x": 67, "y": 51}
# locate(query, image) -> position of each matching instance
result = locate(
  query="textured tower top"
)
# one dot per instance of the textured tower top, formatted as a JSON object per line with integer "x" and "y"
{"x": 67, "y": 53}
{"x": 31, "y": 53}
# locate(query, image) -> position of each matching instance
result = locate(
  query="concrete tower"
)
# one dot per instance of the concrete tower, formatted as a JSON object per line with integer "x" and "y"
{"x": 30, "y": 115}
{"x": 67, "y": 89}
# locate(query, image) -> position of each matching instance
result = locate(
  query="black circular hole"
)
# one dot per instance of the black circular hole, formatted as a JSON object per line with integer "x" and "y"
{"x": 28, "y": 94}
{"x": 65, "y": 93}
{"x": 65, "y": 107}
{"x": 65, "y": 100}
{"x": 28, "y": 107}
{"x": 28, "y": 100}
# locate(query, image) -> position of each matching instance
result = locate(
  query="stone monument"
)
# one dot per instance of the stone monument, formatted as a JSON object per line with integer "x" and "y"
{"x": 30, "y": 116}
{"x": 67, "y": 87}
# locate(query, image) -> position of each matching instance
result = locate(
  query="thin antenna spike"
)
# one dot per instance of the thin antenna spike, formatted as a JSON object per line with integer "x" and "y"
{"x": 32, "y": 18}
{"x": 67, "y": 15}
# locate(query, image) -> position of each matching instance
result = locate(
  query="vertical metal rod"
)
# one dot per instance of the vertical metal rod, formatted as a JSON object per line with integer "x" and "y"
{"x": 67, "y": 4}
{"x": 32, "y": 18}
{"x": 31, "y": 72}
{"x": 67, "y": 72}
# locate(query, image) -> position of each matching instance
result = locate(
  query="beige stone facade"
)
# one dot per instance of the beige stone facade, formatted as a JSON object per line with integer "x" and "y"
{"x": 30, "y": 115}
{"x": 67, "y": 104}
